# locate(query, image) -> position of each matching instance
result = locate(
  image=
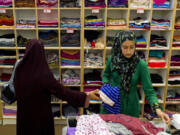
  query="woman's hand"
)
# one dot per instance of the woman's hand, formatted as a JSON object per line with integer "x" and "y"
{"x": 163, "y": 116}
{"x": 94, "y": 94}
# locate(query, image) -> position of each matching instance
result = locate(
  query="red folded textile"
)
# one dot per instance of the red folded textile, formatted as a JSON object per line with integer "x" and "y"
{"x": 157, "y": 64}
{"x": 176, "y": 45}
{"x": 140, "y": 46}
{"x": 9, "y": 21}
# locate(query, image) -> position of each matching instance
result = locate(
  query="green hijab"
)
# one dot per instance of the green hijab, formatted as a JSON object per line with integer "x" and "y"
{"x": 125, "y": 66}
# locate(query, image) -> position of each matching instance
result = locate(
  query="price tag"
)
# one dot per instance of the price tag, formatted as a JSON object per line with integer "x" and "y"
{"x": 47, "y": 10}
{"x": 2, "y": 10}
{"x": 70, "y": 30}
{"x": 95, "y": 10}
{"x": 140, "y": 11}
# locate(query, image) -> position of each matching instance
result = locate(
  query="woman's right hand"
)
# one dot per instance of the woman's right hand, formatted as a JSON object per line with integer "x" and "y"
{"x": 94, "y": 95}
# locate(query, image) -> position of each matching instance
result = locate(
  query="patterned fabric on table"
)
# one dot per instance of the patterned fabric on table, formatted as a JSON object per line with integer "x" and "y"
{"x": 91, "y": 125}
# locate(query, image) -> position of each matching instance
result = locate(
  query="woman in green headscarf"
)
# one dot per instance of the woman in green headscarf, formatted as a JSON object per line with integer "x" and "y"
{"x": 125, "y": 70}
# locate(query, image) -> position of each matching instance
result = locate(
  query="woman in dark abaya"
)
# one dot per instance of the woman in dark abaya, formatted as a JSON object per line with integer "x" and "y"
{"x": 34, "y": 83}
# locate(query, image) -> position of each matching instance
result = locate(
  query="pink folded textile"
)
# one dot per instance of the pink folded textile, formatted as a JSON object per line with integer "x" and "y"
{"x": 47, "y": 3}
{"x": 159, "y": 2}
{"x": 48, "y": 22}
{"x": 175, "y": 63}
{"x": 75, "y": 56}
{"x": 5, "y": 2}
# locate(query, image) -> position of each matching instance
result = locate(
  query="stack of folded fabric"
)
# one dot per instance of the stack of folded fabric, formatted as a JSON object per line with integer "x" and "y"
{"x": 55, "y": 110}
{"x": 174, "y": 77}
{"x": 156, "y": 78}
{"x": 9, "y": 111}
{"x": 98, "y": 43}
{"x": 93, "y": 77}
{"x": 93, "y": 22}
{"x": 21, "y": 53}
{"x": 118, "y": 3}
{"x": 109, "y": 41}
{"x": 25, "y": 3}
{"x": 172, "y": 109}
{"x": 70, "y": 58}
{"x": 48, "y": 23}
{"x": 178, "y": 4}
{"x": 139, "y": 3}
{"x": 22, "y": 41}
{"x": 141, "y": 55}
{"x": 173, "y": 95}
{"x": 176, "y": 41}
{"x": 70, "y": 22}
{"x": 5, "y": 3}
{"x": 161, "y": 3}
{"x": 141, "y": 42}
{"x": 26, "y": 23}
{"x": 69, "y": 110}
{"x": 6, "y": 21}
{"x": 139, "y": 23}
{"x": 54, "y": 99}
{"x": 49, "y": 38}
{"x": 158, "y": 41}
{"x": 7, "y": 53}
{"x": 47, "y": 3}
{"x": 116, "y": 23}
{"x": 148, "y": 113}
{"x": 7, "y": 40}
{"x": 70, "y": 3}
{"x": 175, "y": 60}
{"x": 160, "y": 24}
{"x": 94, "y": 59}
{"x": 71, "y": 77}
{"x": 7, "y": 57}
{"x": 92, "y": 109}
{"x": 158, "y": 94}
{"x": 156, "y": 58}
{"x": 176, "y": 122}
{"x": 95, "y": 3}
{"x": 92, "y": 35}
{"x": 53, "y": 59}
{"x": 177, "y": 23}
{"x": 70, "y": 39}
{"x": 5, "y": 77}
{"x": 55, "y": 72}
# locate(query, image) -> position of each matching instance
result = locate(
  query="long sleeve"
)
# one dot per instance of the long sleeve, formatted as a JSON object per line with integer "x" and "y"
{"x": 147, "y": 84}
{"x": 107, "y": 72}
{"x": 75, "y": 98}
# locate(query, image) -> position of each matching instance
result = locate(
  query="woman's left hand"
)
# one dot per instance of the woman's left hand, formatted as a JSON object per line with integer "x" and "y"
{"x": 163, "y": 116}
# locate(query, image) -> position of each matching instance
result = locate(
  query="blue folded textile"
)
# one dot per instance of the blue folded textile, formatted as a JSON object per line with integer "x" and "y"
{"x": 156, "y": 53}
{"x": 113, "y": 92}
{"x": 165, "y": 5}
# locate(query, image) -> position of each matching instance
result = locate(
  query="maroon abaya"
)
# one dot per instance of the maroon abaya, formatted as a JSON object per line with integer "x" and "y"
{"x": 34, "y": 84}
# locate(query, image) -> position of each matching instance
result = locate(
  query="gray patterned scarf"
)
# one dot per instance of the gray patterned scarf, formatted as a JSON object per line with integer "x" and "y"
{"x": 125, "y": 66}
